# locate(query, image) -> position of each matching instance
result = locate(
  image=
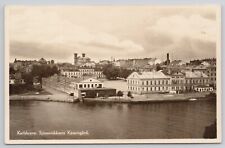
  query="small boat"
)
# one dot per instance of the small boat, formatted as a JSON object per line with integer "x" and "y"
{"x": 192, "y": 99}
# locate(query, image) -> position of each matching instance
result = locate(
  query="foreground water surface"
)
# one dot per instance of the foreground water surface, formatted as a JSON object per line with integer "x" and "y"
{"x": 111, "y": 121}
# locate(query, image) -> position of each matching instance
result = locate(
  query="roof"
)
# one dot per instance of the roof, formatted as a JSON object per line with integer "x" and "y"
{"x": 203, "y": 86}
{"x": 148, "y": 75}
{"x": 196, "y": 74}
{"x": 200, "y": 67}
{"x": 177, "y": 62}
{"x": 103, "y": 88}
{"x": 87, "y": 80}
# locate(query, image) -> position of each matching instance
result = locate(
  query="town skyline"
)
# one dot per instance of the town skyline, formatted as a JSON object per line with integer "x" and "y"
{"x": 187, "y": 33}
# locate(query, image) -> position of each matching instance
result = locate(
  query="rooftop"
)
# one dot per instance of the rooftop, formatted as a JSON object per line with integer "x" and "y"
{"x": 148, "y": 75}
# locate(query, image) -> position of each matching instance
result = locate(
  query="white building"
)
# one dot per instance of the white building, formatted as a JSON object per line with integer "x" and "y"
{"x": 148, "y": 82}
{"x": 82, "y": 72}
{"x": 202, "y": 88}
{"x": 155, "y": 82}
{"x": 86, "y": 84}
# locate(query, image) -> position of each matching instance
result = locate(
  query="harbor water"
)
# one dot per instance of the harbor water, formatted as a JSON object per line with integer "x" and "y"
{"x": 110, "y": 121}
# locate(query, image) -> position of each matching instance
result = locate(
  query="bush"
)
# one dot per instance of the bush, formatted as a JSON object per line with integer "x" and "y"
{"x": 129, "y": 94}
{"x": 120, "y": 93}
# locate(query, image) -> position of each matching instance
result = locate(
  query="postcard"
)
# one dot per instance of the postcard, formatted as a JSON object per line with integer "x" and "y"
{"x": 92, "y": 74}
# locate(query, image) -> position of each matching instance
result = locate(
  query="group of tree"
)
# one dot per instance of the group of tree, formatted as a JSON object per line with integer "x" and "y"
{"x": 39, "y": 71}
{"x": 112, "y": 72}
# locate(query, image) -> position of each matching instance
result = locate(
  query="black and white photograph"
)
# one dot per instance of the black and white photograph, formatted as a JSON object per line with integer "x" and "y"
{"x": 112, "y": 74}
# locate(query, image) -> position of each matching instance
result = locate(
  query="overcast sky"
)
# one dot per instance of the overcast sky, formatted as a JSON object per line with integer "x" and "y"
{"x": 112, "y": 31}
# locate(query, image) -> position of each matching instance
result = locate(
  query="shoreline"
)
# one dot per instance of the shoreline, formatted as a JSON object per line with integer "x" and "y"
{"x": 55, "y": 96}
{"x": 58, "y": 96}
{"x": 153, "y": 98}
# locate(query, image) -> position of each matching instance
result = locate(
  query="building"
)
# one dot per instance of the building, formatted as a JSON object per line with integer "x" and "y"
{"x": 96, "y": 92}
{"x": 203, "y": 88}
{"x": 86, "y": 83}
{"x": 196, "y": 78}
{"x": 160, "y": 82}
{"x": 27, "y": 65}
{"x": 177, "y": 81}
{"x": 82, "y": 72}
{"x": 148, "y": 82}
{"x": 209, "y": 70}
{"x": 82, "y": 61}
{"x": 16, "y": 79}
{"x": 78, "y": 87}
{"x": 154, "y": 61}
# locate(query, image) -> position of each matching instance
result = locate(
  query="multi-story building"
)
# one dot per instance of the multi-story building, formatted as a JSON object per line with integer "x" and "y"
{"x": 196, "y": 78}
{"x": 155, "y": 82}
{"x": 177, "y": 81}
{"x": 148, "y": 82}
{"x": 82, "y": 72}
{"x": 209, "y": 70}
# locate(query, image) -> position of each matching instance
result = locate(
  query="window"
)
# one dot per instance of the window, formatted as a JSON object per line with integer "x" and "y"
{"x": 100, "y": 85}
{"x": 80, "y": 85}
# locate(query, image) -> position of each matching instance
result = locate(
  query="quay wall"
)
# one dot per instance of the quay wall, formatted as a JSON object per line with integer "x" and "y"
{"x": 60, "y": 83}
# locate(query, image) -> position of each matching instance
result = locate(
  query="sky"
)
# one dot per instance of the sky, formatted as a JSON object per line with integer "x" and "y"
{"x": 121, "y": 32}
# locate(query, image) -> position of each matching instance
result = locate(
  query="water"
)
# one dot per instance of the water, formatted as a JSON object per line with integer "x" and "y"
{"x": 112, "y": 121}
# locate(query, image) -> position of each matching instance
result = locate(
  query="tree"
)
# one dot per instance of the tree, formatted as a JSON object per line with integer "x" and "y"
{"x": 158, "y": 67}
{"x": 12, "y": 70}
{"x": 111, "y": 72}
{"x": 120, "y": 93}
{"x": 129, "y": 94}
{"x": 124, "y": 73}
{"x": 28, "y": 78}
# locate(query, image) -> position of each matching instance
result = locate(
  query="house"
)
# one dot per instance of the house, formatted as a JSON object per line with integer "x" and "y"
{"x": 86, "y": 83}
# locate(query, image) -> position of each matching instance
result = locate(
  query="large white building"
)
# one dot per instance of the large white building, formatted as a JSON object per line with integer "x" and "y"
{"x": 147, "y": 82}
{"x": 157, "y": 81}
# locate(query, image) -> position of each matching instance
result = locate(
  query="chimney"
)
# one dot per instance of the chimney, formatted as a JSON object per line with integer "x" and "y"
{"x": 167, "y": 58}
{"x": 83, "y": 55}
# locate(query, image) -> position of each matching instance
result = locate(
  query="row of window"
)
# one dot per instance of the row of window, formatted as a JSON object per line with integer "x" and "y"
{"x": 81, "y": 73}
{"x": 152, "y": 89}
{"x": 132, "y": 88}
{"x": 86, "y": 70}
{"x": 90, "y": 85}
{"x": 166, "y": 82}
{"x": 150, "y": 82}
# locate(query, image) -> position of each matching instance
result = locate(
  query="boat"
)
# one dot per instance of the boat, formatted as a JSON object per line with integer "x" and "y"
{"x": 192, "y": 99}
